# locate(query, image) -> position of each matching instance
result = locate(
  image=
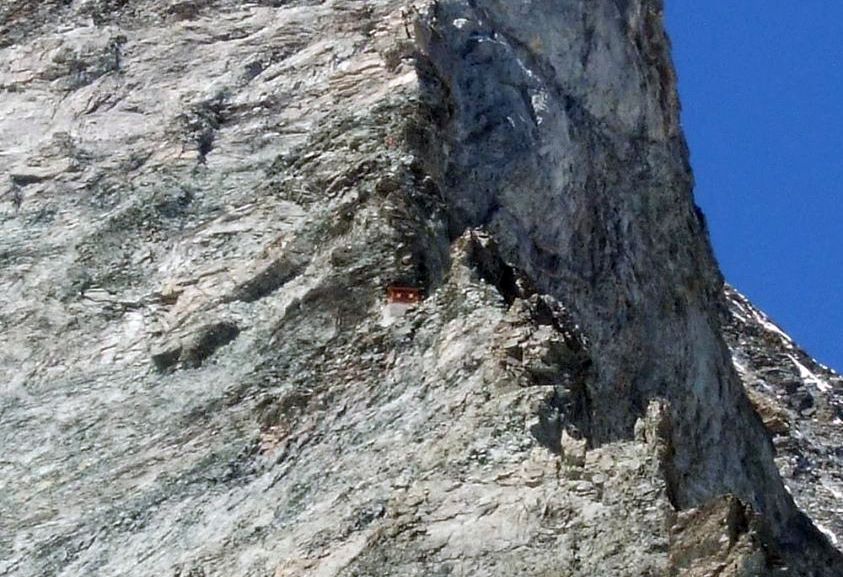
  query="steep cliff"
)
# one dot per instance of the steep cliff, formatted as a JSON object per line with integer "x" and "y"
{"x": 206, "y": 202}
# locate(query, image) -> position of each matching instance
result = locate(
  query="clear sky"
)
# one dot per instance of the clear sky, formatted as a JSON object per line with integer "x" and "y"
{"x": 761, "y": 83}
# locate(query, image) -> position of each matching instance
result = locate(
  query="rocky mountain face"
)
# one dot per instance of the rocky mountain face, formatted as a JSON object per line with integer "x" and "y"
{"x": 205, "y": 204}
{"x": 801, "y": 404}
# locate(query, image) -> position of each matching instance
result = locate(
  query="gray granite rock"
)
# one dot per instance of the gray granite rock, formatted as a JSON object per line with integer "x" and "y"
{"x": 205, "y": 203}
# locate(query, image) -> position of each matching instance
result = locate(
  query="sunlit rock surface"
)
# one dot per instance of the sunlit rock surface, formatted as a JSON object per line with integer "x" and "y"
{"x": 204, "y": 203}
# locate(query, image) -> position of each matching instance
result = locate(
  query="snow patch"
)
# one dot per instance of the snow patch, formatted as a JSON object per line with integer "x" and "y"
{"x": 740, "y": 317}
{"x": 740, "y": 366}
{"x": 765, "y": 322}
{"x": 739, "y": 306}
{"x": 809, "y": 377}
{"x": 828, "y": 533}
{"x": 743, "y": 310}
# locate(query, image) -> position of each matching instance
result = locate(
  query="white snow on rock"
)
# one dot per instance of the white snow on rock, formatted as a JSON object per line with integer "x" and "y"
{"x": 828, "y": 533}
{"x": 810, "y": 377}
{"x": 765, "y": 322}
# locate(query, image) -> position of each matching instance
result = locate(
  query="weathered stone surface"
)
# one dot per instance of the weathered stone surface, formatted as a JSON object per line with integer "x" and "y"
{"x": 719, "y": 538}
{"x": 802, "y": 407}
{"x": 204, "y": 204}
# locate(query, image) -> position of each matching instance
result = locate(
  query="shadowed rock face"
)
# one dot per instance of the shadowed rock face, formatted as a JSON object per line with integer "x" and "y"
{"x": 562, "y": 139}
{"x": 205, "y": 202}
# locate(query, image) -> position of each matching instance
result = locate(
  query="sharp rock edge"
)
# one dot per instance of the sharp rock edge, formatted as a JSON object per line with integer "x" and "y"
{"x": 204, "y": 204}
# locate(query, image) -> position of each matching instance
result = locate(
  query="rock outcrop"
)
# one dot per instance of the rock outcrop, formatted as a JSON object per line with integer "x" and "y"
{"x": 205, "y": 203}
{"x": 801, "y": 404}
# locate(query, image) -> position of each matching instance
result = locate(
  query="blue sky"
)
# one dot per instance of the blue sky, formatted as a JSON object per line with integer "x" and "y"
{"x": 761, "y": 84}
